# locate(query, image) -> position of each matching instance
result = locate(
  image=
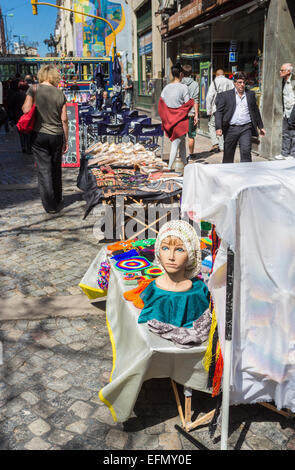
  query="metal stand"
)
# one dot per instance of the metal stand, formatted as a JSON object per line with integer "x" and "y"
{"x": 227, "y": 349}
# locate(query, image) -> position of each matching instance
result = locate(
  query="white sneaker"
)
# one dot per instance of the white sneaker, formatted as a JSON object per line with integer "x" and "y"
{"x": 280, "y": 157}
{"x": 289, "y": 157}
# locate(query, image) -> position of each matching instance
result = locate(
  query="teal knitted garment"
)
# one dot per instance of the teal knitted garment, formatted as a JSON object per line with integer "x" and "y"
{"x": 176, "y": 308}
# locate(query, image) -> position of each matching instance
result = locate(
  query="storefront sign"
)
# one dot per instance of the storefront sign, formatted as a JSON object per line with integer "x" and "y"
{"x": 145, "y": 44}
{"x": 191, "y": 11}
{"x": 233, "y": 56}
{"x": 204, "y": 83}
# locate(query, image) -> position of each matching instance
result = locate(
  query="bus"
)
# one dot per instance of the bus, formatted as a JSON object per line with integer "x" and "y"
{"x": 80, "y": 70}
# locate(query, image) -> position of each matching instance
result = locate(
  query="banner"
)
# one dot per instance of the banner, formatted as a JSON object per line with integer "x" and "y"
{"x": 145, "y": 44}
{"x": 204, "y": 83}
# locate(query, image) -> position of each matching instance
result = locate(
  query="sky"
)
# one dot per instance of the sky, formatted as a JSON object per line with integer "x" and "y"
{"x": 35, "y": 28}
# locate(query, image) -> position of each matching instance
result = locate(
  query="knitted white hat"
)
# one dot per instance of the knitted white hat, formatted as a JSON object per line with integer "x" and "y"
{"x": 187, "y": 234}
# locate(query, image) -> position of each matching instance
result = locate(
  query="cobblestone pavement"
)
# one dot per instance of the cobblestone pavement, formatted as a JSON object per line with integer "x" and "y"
{"x": 54, "y": 364}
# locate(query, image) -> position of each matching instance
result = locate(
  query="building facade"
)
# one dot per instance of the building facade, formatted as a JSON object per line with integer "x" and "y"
{"x": 255, "y": 36}
{"x": 147, "y": 54}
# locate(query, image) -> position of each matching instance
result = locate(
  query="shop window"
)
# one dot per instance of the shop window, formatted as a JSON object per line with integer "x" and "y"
{"x": 145, "y": 64}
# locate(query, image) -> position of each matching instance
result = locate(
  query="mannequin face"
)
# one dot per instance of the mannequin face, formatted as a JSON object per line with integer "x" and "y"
{"x": 173, "y": 255}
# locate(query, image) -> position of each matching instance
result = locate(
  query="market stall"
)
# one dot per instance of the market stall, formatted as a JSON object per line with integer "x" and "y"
{"x": 125, "y": 169}
{"x": 252, "y": 208}
{"x": 138, "y": 353}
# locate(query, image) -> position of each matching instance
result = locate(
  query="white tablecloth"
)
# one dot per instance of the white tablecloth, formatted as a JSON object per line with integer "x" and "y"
{"x": 139, "y": 355}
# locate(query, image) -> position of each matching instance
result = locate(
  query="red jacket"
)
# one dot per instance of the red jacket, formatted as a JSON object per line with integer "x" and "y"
{"x": 174, "y": 120}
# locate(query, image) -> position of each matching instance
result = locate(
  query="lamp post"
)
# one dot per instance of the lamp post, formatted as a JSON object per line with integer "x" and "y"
{"x": 8, "y": 15}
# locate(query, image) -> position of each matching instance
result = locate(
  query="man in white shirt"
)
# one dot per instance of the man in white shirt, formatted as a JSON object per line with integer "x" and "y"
{"x": 288, "y": 100}
{"x": 218, "y": 85}
{"x": 175, "y": 95}
{"x": 237, "y": 117}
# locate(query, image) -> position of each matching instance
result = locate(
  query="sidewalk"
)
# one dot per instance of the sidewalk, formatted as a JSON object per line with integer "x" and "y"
{"x": 57, "y": 354}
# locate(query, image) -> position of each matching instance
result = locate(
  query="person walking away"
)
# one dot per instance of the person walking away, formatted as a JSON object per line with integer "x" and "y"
{"x": 174, "y": 106}
{"x": 193, "y": 89}
{"x": 50, "y": 135}
{"x": 17, "y": 103}
{"x": 128, "y": 91}
{"x": 288, "y": 100}
{"x": 237, "y": 118}
{"x": 218, "y": 85}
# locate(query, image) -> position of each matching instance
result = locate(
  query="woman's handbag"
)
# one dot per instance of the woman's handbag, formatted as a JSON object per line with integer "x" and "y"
{"x": 26, "y": 122}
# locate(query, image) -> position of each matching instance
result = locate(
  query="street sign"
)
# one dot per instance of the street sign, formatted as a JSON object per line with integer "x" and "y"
{"x": 233, "y": 56}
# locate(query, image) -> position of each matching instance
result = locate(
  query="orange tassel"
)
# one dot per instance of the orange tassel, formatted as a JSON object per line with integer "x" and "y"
{"x": 216, "y": 384}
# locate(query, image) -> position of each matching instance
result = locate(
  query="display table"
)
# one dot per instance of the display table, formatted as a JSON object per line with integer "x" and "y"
{"x": 140, "y": 355}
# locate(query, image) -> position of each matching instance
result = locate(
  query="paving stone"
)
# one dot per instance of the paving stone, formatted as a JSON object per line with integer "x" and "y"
{"x": 170, "y": 441}
{"x": 37, "y": 444}
{"x": 59, "y": 373}
{"x": 78, "y": 427}
{"x": 60, "y": 437}
{"x": 104, "y": 415}
{"x": 39, "y": 427}
{"x": 116, "y": 439}
{"x": 30, "y": 397}
{"x": 22, "y": 433}
{"x": 43, "y": 409}
{"x": 59, "y": 386}
{"x": 143, "y": 441}
{"x": 77, "y": 346}
{"x": 81, "y": 409}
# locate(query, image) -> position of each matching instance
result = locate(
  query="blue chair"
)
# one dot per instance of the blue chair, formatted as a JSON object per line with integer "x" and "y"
{"x": 118, "y": 131}
{"x": 148, "y": 135}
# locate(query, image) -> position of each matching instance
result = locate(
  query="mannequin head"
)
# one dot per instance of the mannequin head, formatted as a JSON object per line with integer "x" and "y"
{"x": 177, "y": 249}
{"x": 173, "y": 255}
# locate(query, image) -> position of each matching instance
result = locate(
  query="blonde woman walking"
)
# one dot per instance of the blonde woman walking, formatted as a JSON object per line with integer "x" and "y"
{"x": 50, "y": 135}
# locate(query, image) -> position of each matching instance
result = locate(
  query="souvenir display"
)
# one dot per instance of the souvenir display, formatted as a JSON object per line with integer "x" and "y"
{"x": 178, "y": 297}
{"x": 123, "y": 154}
{"x": 104, "y": 275}
{"x": 132, "y": 264}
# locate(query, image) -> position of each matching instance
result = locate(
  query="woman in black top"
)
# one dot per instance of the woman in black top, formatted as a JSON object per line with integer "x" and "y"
{"x": 50, "y": 135}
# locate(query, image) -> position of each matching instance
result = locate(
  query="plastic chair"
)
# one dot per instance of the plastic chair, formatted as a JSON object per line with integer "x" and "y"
{"x": 148, "y": 135}
{"x": 118, "y": 131}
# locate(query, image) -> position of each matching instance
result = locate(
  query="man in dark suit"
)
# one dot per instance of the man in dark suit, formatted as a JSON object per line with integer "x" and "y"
{"x": 237, "y": 119}
{"x": 106, "y": 102}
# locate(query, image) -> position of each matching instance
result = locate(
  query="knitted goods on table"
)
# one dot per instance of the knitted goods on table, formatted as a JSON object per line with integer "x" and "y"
{"x": 183, "y": 337}
{"x": 122, "y": 245}
{"x": 125, "y": 255}
{"x": 187, "y": 234}
{"x": 104, "y": 275}
{"x": 213, "y": 359}
{"x": 133, "y": 295}
{"x": 136, "y": 263}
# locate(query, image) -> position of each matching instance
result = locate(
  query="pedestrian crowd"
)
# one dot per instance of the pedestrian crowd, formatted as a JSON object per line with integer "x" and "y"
{"x": 232, "y": 111}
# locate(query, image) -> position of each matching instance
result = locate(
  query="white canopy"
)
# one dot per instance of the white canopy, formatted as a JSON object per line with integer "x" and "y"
{"x": 252, "y": 206}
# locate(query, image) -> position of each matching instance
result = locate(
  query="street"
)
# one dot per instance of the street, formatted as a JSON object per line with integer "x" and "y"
{"x": 56, "y": 349}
